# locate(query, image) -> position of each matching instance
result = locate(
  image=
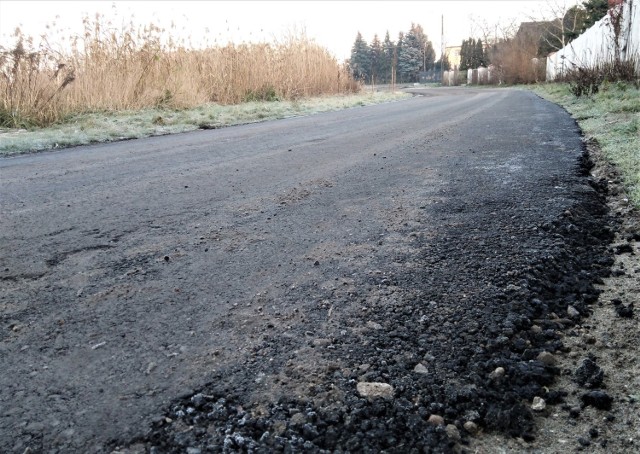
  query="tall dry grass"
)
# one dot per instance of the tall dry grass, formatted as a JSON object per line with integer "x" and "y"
{"x": 135, "y": 68}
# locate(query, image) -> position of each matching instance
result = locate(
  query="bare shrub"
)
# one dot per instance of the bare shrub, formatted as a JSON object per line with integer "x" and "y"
{"x": 586, "y": 81}
{"x": 516, "y": 60}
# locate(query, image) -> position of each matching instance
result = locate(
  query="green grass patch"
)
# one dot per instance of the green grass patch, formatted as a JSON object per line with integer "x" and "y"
{"x": 612, "y": 118}
{"x": 101, "y": 127}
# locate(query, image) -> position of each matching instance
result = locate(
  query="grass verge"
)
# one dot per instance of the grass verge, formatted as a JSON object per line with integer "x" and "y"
{"x": 105, "y": 127}
{"x": 612, "y": 118}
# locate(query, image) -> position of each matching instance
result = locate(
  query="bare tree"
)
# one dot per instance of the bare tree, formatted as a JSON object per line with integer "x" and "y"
{"x": 562, "y": 22}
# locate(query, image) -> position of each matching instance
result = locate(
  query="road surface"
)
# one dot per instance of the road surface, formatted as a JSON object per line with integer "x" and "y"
{"x": 228, "y": 289}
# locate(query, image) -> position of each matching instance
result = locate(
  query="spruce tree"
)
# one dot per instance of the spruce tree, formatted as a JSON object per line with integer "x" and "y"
{"x": 377, "y": 57}
{"x": 388, "y": 63}
{"x": 422, "y": 43}
{"x": 464, "y": 55}
{"x": 594, "y": 11}
{"x": 400, "y": 49}
{"x": 410, "y": 59}
{"x": 360, "y": 62}
{"x": 479, "y": 55}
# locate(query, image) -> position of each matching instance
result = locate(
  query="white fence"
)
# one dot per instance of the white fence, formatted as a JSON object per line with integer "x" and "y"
{"x": 478, "y": 76}
{"x": 598, "y": 44}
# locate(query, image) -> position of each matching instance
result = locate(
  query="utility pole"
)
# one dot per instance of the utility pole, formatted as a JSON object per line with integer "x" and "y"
{"x": 442, "y": 50}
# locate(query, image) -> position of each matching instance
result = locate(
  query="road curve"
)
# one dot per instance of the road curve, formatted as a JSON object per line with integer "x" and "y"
{"x": 293, "y": 258}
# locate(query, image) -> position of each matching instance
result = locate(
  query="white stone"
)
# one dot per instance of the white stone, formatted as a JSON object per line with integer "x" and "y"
{"x": 435, "y": 420}
{"x": 452, "y": 432}
{"x": 538, "y": 404}
{"x": 374, "y": 389}
{"x": 498, "y": 373}
{"x": 420, "y": 369}
{"x": 572, "y": 312}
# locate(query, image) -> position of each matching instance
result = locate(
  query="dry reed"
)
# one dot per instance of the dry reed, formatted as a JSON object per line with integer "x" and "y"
{"x": 136, "y": 68}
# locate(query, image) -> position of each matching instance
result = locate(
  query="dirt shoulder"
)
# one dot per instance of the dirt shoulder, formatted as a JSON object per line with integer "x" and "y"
{"x": 604, "y": 348}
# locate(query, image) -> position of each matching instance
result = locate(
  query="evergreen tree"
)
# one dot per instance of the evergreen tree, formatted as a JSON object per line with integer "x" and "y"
{"x": 594, "y": 11}
{"x": 472, "y": 54}
{"x": 360, "y": 61}
{"x": 479, "y": 58}
{"x": 410, "y": 59}
{"x": 377, "y": 58}
{"x": 399, "y": 51}
{"x": 573, "y": 22}
{"x": 465, "y": 54}
{"x": 426, "y": 48}
{"x": 388, "y": 60}
{"x": 438, "y": 66}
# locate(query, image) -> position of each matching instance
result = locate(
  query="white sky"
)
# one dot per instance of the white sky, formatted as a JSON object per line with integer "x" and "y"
{"x": 332, "y": 24}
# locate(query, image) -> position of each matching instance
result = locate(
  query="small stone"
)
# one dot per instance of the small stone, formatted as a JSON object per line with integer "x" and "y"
{"x": 572, "y": 312}
{"x": 435, "y": 420}
{"x": 375, "y": 389}
{"x": 420, "y": 369}
{"x": 192, "y": 450}
{"x": 198, "y": 400}
{"x": 584, "y": 441}
{"x": 589, "y": 374}
{"x": 625, "y": 311}
{"x": 497, "y": 373}
{"x": 150, "y": 368}
{"x": 298, "y": 419}
{"x": 547, "y": 359}
{"x": 598, "y": 399}
{"x": 321, "y": 342}
{"x": 538, "y": 404}
{"x": 471, "y": 427}
{"x": 453, "y": 433}
{"x": 374, "y": 325}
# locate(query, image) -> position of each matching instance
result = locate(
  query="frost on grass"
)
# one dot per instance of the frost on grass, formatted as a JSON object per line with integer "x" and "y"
{"x": 102, "y": 127}
{"x": 612, "y": 118}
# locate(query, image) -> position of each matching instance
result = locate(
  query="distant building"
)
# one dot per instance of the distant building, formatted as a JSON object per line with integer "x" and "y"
{"x": 534, "y": 30}
{"x": 540, "y": 38}
{"x": 453, "y": 55}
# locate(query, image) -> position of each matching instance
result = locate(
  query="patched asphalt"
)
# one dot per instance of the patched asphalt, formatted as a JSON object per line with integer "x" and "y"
{"x": 227, "y": 290}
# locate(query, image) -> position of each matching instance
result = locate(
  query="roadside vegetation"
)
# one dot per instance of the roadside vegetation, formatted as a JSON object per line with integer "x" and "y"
{"x": 87, "y": 128}
{"x": 611, "y": 116}
{"x": 113, "y": 69}
{"x": 132, "y": 82}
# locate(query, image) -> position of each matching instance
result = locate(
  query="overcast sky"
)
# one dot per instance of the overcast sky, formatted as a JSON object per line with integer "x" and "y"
{"x": 333, "y": 24}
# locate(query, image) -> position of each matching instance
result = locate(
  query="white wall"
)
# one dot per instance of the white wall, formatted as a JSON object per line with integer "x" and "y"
{"x": 597, "y": 44}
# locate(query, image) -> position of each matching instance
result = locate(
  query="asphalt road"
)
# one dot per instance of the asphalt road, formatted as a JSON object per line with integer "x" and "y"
{"x": 134, "y": 273}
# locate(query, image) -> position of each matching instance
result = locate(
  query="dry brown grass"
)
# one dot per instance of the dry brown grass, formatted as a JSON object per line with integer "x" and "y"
{"x": 136, "y": 68}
